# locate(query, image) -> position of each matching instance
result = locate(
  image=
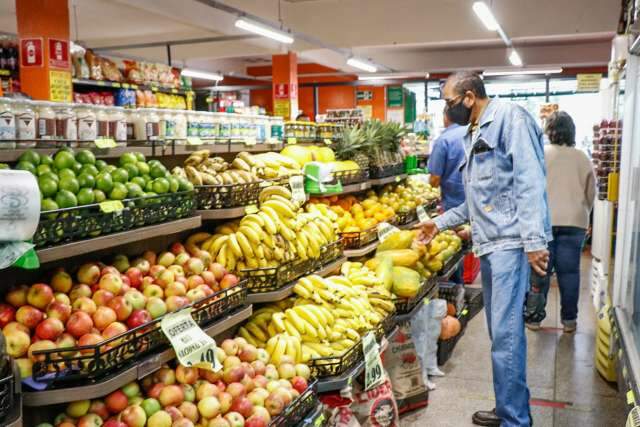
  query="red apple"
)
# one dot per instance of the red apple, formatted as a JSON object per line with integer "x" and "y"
{"x": 150, "y": 256}
{"x": 236, "y": 390}
{"x": 286, "y": 370}
{"x": 17, "y": 296}
{"x": 17, "y": 343}
{"x": 63, "y": 298}
{"x": 231, "y": 362}
{"x": 156, "y": 270}
{"x": 209, "y": 278}
{"x": 255, "y": 421}
{"x": 29, "y": 316}
{"x": 195, "y": 281}
{"x": 258, "y": 367}
{"x": 165, "y": 278}
{"x": 186, "y": 375}
{"x": 274, "y": 404}
{"x": 196, "y": 294}
{"x": 166, "y": 376}
{"x": 299, "y": 384}
{"x": 121, "y": 306}
{"x": 85, "y": 304}
{"x": 230, "y": 347}
{"x": 209, "y": 407}
{"x": 160, "y": 419}
{"x": 190, "y": 411}
{"x": 102, "y": 297}
{"x": 14, "y": 326}
{"x": 91, "y": 340}
{"x": 40, "y": 295}
{"x": 61, "y": 281}
{"x": 58, "y": 310}
{"x": 138, "y": 317}
{"x": 228, "y": 281}
{"x": 195, "y": 265}
{"x": 50, "y": 329}
{"x": 142, "y": 264}
{"x": 261, "y": 412}
{"x": 64, "y": 341}
{"x": 116, "y": 401}
{"x": 260, "y": 381}
{"x": 154, "y": 391}
{"x": 99, "y": 408}
{"x": 171, "y": 395}
{"x": 243, "y": 406}
{"x": 111, "y": 282}
{"x": 182, "y": 259}
{"x": 90, "y": 420}
{"x": 80, "y": 290}
{"x": 136, "y": 298}
{"x": 206, "y": 389}
{"x": 134, "y": 416}
{"x": 175, "y": 303}
{"x": 235, "y": 419}
{"x": 103, "y": 317}
{"x": 173, "y": 412}
{"x": 79, "y": 323}
{"x": 225, "y": 401}
{"x": 109, "y": 269}
{"x": 165, "y": 259}
{"x": 218, "y": 270}
{"x": 218, "y": 422}
{"x": 256, "y": 398}
{"x": 178, "y": 248}
{"x": 248, "y": 353}
{"x": 7, "y": 314}
{"x": 135, "y": 276}
{"x": 88, "y": 274}
{"x": 233, "y": 375}
{"x": 38, "y": 346}
{"x": 110, "y": 423}
{"x": 114, "y": 329}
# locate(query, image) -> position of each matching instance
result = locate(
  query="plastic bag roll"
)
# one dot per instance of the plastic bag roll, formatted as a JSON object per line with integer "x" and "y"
{"x": 19, "y": 205}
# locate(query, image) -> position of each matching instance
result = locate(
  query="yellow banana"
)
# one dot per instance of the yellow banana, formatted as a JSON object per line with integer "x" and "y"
{"x": 245, "y": 247}
{"x": 300, "y": 290}
{"x": 231, "y": 259}
{"x": 242, "y": 331}
{"x": 306, "y": 314}
{"x": 207, "y": 243}
{"x": 271, "y": 329}
{"x": 290, "y": 328}
{"x": 256, "y": 331}
{"x": 253, "y": 217}
{"x": 269, "y": 225}
{"x": 279, "y": 207}
{"x": 221, "y": 258}
{"x": 259, "y": 251}
{"x": 197, "y": 238}
{"x": 322, "y": 349}
{"x": 234, "y": 245}
{"x": 275, "y": 190}
{"x": 298, "y": 322}
{"x": 278, "y": 321}
{"x": 250, "y": 234}
{"x": 271, "y": 344}
{"x": 224, "y": 229}
{"x": 311, "y": 352}
{"x": 281, "y": 347}
{"x": 215, "y": 247}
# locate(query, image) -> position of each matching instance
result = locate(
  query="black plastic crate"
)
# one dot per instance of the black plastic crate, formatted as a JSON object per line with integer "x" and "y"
{"x": 453, "y": 293}
{"x": 77, "y": 223}
{"x": 7, "y": 388}
{"x": 376, "y": 172}
{"x": 385, "y": 327}
{"x": 451, "y": 264}
{"x": 269, "y": 279}
{"x": 295, "y": 412}
{"x": 407, "y": 217}
{"x": 445, "y": 347}
{"x": 474, "y": 300}
{"x": 227, "y": 196}
{"x": 348, "y": 177}
{"x": 358, "y": 239}
{"x": 92, "y": 362}
{"x": 335, "y": 365}
{"x": 406, "y": 305}
{"x": 329, "y": 253}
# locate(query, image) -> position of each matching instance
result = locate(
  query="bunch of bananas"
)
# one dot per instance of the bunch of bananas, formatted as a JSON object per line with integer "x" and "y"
{"x": 276, "y": 165}
{"x": 279, "y": 232}
{"x": 201, "y": 169}
{"x": 380, "y": 298}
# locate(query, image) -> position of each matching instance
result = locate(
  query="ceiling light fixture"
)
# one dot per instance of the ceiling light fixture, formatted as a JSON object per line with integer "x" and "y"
{"x": 486, "y": 16}
{"x": 271, "y": 33}
{"x": 515, "y": 59}
{"x": 384, "y": 77}
{"x": 356, "y": 63}
{"x": 522, "y": 72}
{"x": 201, "y": 75}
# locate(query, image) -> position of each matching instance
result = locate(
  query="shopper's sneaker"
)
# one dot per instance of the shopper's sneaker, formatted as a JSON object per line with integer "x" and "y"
{"x": 486, "y": 418}
{"x": 533, "y": 326}
{"x": 569, "y": 326}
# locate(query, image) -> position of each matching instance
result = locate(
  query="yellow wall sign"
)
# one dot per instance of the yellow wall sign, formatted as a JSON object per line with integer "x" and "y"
{"x": 282, "y": 108}
{"x": 588, "y": 82}
{"x": 60, "y": 89}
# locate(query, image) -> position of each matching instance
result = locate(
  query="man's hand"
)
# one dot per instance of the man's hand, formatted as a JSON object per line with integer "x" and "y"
{"x": 464, "y": 233}
{"x": 428, "y": 231}
{"x": 539, "y": 261}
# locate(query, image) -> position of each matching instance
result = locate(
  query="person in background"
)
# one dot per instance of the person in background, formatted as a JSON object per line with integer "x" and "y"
{"x": 571, "y": 186}
{"x": 447, "y": 155}
{"x": 506, "y": 203}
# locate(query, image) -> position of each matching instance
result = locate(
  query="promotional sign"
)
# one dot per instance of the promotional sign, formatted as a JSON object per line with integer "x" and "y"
{"x": 59, "y": 54}
{"x": 60, "y": 88}
{"x": 31, "y": 52}
{"x": 374, "y": 374}
{"x": 588, "y": 82}
{"x": 395, "y": 97}
{"x": 281, "y": 91}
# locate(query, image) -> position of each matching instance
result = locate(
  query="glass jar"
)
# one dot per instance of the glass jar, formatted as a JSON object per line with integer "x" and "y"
{"x": 130, "y": 114}
{"x": 26, "y": 129}
{"x": 167, "y": 125}
{"x": 117, "y": 124}
{"x": 180, "y": 118}
{"x": 225, "y": 126}
{"x": 87, "y": 125}
{"x": 7, "y": 124}
{"x": 153, "y": 124}
{"x": 139, "y": 120}
{"x": 46, "y": 124}
{"x": 66, "y": 125}
{"x": 102, "y": 121}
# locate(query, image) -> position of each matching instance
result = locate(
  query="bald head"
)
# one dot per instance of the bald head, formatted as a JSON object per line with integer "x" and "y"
{"x": 464, "y": 81}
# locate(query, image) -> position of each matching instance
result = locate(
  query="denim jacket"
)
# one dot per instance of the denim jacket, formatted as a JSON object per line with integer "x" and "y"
{"x": 505, "y": 183}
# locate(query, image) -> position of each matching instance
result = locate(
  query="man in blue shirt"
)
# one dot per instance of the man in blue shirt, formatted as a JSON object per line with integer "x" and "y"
{"x": 447, "y": 155}
{"x": 506, "y": 203}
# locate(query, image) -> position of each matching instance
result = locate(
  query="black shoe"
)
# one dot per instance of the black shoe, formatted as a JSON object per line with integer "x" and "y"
{"x": 486, "y": 418}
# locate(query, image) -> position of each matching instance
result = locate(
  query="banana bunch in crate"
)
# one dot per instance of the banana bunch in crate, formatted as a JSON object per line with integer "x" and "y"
{"x": 276, "y": 166}
{"x": 202, "y": 169}
{"x": 380, "y": 298}
{"x": 277, "y": 233}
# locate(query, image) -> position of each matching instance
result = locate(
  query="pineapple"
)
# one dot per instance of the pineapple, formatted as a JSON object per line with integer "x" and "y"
{"x": 392, "y": 135}
{"x": 352, "y": 146}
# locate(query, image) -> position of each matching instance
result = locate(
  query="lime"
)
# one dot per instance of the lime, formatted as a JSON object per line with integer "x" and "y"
{"x": 131, "y": 169}
{"x": 119, "y": 191}
{"x": 26, "y": 166}
{"x": 184, "y": 184}
{"x": 48, "y": 186}
{"x": 4, "y": 166}
{"x": 66, "y": 173}
{"x": 89, "y": 169}
{"x": 120, "y": 175}
{"x": 157, "y": 171}
{"x": 99, "y": 196}
{"x": 139, "y": 180}
{"x": 173, "y": 184}
{"x": 85, "y": 157}
{"x": 48, "y": 205}
{"x": 110, "y": 168}
{"x": 139, "y": 156}
{"x": 46, "y": 160}
{"x": 147, "y": 178}
{"x": 143, "y": 168}
{"x": 50, "y": 175}
{"x": 30, "y": 156}
{"x": 66, "y": 199}
{"x": 104, "y": 181}
{"x": 161, "y": 185}
{"x": 42, "y": 169}
{"x": 127, "y": 158}
{"x": 134, "y": 190}
{"x": 70, "y": 184}
{"x": 77, "y": 167}
{"x": 154, "y": 162}
{"x": 86, "y": 180}
{"x": 101, "y": 164}
{"x": 86, "y": 196}
{"x": 148, "y": 186}
{"x": 63, "y": 160}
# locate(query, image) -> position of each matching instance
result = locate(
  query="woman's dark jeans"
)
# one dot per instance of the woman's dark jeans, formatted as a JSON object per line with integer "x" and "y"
{"x": 565, "y": 251}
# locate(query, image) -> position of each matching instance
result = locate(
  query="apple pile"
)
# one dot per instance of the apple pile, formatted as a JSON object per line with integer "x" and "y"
{"x": 246, "y": 392}
{"x": 104, "y": 301}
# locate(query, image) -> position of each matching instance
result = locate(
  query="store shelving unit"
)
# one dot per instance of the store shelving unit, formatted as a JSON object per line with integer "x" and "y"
{"x": 355, "y": 253}
{"x": 387, "y": 180}
{"x": 101, "y": 84}
{"x": 15, "y": 418}
{"x": 218, "y": 214}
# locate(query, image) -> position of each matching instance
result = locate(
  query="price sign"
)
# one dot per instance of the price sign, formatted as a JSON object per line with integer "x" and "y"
{"x": 296, "y": 182}
{"x": 101, "y": 83}
{"x": 192, "y": 345}
{"x": 319, "y": 421}
{"x": 373, "y": 372}
{"x": 111, "y": 206}
{"x": 292, "y": 140}
{"x": 464, "y": 312}
{"x": 328, "y": 141}
{"x": 385, "y": 230}
{"x": 251, "y": 209}
{"x": 250, "y": 140}
{"x": 398, "y": 179}
{"x": 105, "y": 143}
{"x": 194, "y": 140}
{"x": 423, "y": 216}
{"x": 631, "y": 398}
{"x": 126, "y": 85}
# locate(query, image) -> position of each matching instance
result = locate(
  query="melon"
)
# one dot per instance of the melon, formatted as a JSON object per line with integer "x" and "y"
{"x": 350, "y": 165}
{"x": 325, "y": 154}
{"x": 300, "y": 154}
{"x": 406, "y": 282}
{"x": 450, "y": 328}
{"x": 451, "y": 309}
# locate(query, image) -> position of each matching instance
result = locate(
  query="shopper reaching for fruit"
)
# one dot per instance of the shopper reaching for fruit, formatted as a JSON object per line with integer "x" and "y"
{"x": 506, "y": 203}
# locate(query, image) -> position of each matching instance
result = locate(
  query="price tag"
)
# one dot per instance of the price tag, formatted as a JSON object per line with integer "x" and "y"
{"x": 174, "y": 90}
{"x": 292, "y": 140}
{"x": 251, "y": 209}
{"x": 192, "y": 345}
{"x": 101, "y": 83}
{"x": 194, "y": 140}
{"x": 373, "y": 372}
{"x": 328, "y": 141}
{"x": 115, "y": 84}
{"x": 631, "y": 398}
{"x": 111, "y": 206}
{"x": 426, "y": 301}
{"x": 464, "y": 312}
{"x": 250, "y": 140}
{"x": 126, "y": 85}
{"x": 398, "y": 179}
{"x": 296, "y": 182}
{"x": 423, "y": 216}
{"x": 105, "y": 143}
{"x": 319, "y": 421}
{"x": 273, "y": 141}
{"x": 385, "y": 230}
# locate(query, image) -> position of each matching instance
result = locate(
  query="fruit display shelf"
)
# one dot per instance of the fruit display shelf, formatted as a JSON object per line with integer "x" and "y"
{"x": 102, "y": 84}
{"x": 210, "y": 197}
{"x": 402, "y": 318}
{"x": 387, "y": 179}
{"x": 142, "y": 368}
{"x": 356, "y": 253}
{"x": 406, "y": 305}
{"x": 387, "y": 171}
{"x": 94, "y": 362}
{"x": 72, "y": 249}
{"x": 9, "y": 393}
{"x": 14, "y": 419}
{"x": 341, "y": 380}
{"x": 359, "y": 239}
{"x": 452, "y": 265}
{"x": 347, "y": 189}
{"x": 298, "y": 410}
{"x": 315, "y": 418}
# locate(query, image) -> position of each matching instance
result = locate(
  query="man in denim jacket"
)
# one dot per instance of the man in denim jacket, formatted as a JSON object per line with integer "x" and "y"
{"x": 506, "y": 204}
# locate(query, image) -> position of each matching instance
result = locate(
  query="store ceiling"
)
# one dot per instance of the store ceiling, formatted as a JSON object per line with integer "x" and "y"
{"x": 400, "y": 35}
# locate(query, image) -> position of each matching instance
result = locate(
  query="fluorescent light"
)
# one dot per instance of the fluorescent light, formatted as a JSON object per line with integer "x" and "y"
{"x": 201, "y": 75}
{"x": 356, "y": 63}
{"x": 515, "y": 59}
{"x": 264, "y": 31}
{"x": 522, "y": 72}
{"x": 486, "y": 16}
{"x": 384, "y": 77}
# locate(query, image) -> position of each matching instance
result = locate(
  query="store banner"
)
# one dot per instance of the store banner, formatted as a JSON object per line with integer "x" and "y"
{"x": 60, "y": 87}
{"x": 588, "y": 82}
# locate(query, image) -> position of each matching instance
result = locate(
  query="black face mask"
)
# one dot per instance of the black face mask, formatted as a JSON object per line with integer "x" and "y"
{"x": 459, "y": 113}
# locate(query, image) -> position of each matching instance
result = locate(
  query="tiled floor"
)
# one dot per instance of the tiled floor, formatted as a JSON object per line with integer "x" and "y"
{"x": 560, "y": 373}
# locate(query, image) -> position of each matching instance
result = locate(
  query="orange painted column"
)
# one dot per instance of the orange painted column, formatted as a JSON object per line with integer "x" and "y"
{"x": 285, "y": 85}
{"x": 45, "y": 60}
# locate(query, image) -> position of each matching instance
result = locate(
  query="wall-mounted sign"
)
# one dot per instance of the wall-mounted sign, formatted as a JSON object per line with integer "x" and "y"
{"x": 60, "y": 89}
{"x": 31, "y": 52}
{"x": 364, "y": 95}
{"x": 588, "y": 82}
{"x": 395, "y": 97}
{"x": 281, "y": 91}
{"x": 59, "y": 53}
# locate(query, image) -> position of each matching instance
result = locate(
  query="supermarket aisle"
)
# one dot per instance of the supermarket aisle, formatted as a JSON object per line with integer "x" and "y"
{"x": 565, "y": 388}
